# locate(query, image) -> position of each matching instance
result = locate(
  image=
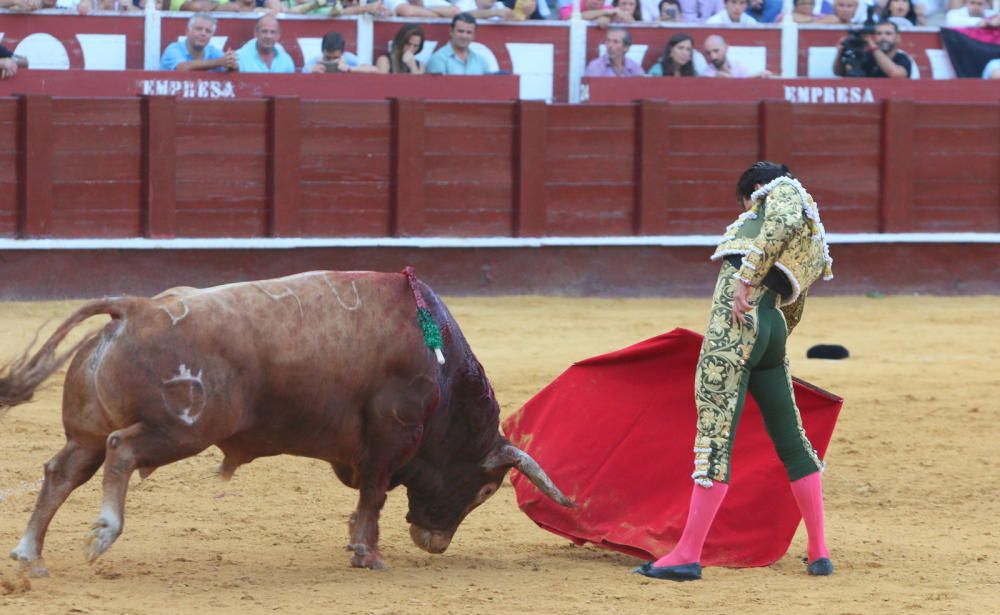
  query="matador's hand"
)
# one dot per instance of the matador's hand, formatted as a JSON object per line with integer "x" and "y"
{"x": 741, "y": 302}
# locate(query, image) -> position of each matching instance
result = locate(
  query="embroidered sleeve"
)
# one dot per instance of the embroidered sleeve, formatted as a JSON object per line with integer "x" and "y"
{"x": 782, "y": 216}
{"x": 793, "y": 311}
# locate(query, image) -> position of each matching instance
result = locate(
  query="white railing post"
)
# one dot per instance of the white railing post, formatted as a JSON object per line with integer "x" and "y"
{"x": 789, "y": 45}
{"x": 577, "y": 52}
{"x": 151, "y": 42}
{"x": 366, "y": 39}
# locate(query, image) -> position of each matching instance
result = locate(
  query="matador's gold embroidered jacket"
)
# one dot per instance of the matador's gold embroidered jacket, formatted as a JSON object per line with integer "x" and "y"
{"x": 781, "y": 230}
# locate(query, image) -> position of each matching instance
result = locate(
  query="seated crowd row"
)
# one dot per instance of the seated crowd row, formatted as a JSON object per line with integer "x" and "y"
{"x": 906, "y": 13}
{"x": 879, "y": 57}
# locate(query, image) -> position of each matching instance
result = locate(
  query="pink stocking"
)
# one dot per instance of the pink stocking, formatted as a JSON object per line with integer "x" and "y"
{"x": 704, "y": 504}
{"x": 808, "y": 492}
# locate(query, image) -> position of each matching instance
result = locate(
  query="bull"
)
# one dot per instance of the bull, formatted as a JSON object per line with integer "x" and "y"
{"x": 327, "y": 365}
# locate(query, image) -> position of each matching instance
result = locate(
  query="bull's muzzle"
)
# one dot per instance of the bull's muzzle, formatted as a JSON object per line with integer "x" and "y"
{"x": 432, "y": 541}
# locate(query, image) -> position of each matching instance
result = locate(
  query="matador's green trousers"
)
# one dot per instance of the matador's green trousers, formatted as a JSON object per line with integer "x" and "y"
{"x": 738, "y": 357}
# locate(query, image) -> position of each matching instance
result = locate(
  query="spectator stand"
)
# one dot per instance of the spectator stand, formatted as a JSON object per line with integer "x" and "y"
{"x": 549, "y": 56}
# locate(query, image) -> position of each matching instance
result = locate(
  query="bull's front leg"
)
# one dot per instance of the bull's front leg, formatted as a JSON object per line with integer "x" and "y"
{"x": 363, "y": 525}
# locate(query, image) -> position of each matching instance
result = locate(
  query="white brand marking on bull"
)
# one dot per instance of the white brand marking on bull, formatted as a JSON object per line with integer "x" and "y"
{"x": 278, "y": 297}
{"x": 188, "y": 414}
{"x": 176, "y": 319}
{"x": 336, "y": 295}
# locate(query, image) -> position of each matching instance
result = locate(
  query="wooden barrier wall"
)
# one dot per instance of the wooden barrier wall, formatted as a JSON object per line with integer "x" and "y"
{"x": 166, "y": 167}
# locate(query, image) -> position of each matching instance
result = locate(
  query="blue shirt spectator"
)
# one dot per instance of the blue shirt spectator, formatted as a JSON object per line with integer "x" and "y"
{"x": 456, "y": 58}
{"x": 178, "y": 53}
{"x": 266, "y": 35}
{"x": 764, "y": 11}
{"x": 445, "y": 62}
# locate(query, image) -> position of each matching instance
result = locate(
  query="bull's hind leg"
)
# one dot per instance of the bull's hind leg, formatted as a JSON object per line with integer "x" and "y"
{"x": 137, "y": 446}
{"x": 70, "y": 468}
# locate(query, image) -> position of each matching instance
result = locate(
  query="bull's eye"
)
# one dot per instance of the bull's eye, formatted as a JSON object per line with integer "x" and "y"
{"x": 488, "y": 492}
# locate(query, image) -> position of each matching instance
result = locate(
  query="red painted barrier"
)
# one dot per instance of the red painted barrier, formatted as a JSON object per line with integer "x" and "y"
{"x": 161, "y": 167}
{"x": 340, "y": 86}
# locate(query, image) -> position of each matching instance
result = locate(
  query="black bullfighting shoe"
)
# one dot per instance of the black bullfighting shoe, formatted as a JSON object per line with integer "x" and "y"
{"x": 681, "y": 572}
{"x": 819, "y": 567}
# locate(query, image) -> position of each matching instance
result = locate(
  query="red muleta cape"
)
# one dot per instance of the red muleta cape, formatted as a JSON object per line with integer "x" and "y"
{"x": 615, "y": 433}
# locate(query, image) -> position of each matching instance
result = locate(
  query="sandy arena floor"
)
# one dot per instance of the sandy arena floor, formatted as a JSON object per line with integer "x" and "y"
{"x": 912, "y": 492}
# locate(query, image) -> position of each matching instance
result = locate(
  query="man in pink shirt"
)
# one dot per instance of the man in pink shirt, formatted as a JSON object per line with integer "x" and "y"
{"x": 719, "y": 64}
{"x": 614, "y": 62}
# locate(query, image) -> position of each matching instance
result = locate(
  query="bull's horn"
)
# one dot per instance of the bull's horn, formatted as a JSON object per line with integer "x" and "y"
{"x": 510, "y": 454}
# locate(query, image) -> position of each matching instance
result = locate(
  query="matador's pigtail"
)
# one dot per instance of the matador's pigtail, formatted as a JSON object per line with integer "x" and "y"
{"x": 430, "y": 329}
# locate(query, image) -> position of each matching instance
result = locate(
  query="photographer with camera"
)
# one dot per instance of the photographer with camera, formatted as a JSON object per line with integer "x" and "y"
{"x": 863, "y": 53}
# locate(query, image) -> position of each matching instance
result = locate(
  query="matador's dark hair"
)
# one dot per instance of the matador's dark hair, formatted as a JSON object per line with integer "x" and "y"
{"x": 761, "y": 173}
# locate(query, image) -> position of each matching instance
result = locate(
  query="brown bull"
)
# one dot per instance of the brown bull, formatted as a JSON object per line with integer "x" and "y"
{"x": 327, "y": 365}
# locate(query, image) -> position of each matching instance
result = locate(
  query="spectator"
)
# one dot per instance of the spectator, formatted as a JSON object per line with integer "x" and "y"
{"x": 485, "y": 9}
{"x": 335, "y": 58}
{"x": 845, "y": 12}
{"x": 677, "y": 58}
{"x": 527, "y": 9}
{"x": 765, "y": 11}
{"x": 9, "y": 63}
{"x": 626, "y": 11}
{"x": 992, "y": 69}
{"x": 803, "y": 11}
{"x": 669, "y": 11}
{"x": 615, "y": 62}
{"x": 697, "y": 11}
{"x": 456, "y": 58}
{"x": 719, "y": 63}
{"x": 78, "y": 6}
{"x": 249, "y": 6}
{"x": 337, "y": 8}
{"x": 263, "y": 53}
{"x": 402, "y": 56}
{"x": 734, "y": 13}
{"x": 600, "y": 12}
{"x": 882, "y": 58}
{"x": 422, "y": 8}
{"x": 973, "y": 15}
{"x": 903, "y": 12}
{"x": 196, "y": 52}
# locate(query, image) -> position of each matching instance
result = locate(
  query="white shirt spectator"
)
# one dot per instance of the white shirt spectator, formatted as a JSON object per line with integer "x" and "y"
{"x": 467, "y": 6}
{"x": 960, "y": 18}
{"x": 722, "y": 18}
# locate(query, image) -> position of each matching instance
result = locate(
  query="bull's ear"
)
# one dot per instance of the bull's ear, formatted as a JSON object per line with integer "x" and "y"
{"x": 509, "y": 455}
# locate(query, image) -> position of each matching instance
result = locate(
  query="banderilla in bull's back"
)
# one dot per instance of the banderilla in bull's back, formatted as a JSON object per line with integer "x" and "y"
{"x": 338, "y": 366}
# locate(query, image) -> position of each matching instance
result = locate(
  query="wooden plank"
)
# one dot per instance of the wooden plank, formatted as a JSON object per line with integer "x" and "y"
{"x": 204, "y": 113}
{"x": 474, "y": 223}
{"x": 82, "y": 197}
{"x": 714, "y": 115}
{"x": 96, "y": 138}
{"x": 582, "y": 141}
{"x": 346, "y": 114}
{"x": 711, "y": 140}
{"x": 71, "y": 166}
{"x": 604, "y": 117}
{"x": 345, "y": 223}
{"x": 36, "y": 166}
{"x": 653, "y": 134}
{"x": 99, "y": 111}
{"x": 775, "y": 132}
{"x": 489, "y": 140}
{"x": 346, "y": 170}
{"x": 72, "y": 224}
{"x": 458, "y": 116}
{"x": 345, "y": 141}
{"x": 283, "y": 167}
{"x": 468, "y": 169}
{"x": 407, "y": 217}
{"x": 530, "y": 155}
{"x": 896, "y": 201}
{"x": 209, "y": 222}
{"x": 159, "y": 164}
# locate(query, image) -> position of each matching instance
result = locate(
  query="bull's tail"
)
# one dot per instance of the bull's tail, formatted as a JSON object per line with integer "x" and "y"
{"x": 21, "y": 377}
{"x": 430, "y": 329}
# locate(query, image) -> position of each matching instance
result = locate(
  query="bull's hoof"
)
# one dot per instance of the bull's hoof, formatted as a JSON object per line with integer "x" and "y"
{"x": 33, "y": 568}
{"x": 364, "y": 557}
{"x": 101, "y": 537}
